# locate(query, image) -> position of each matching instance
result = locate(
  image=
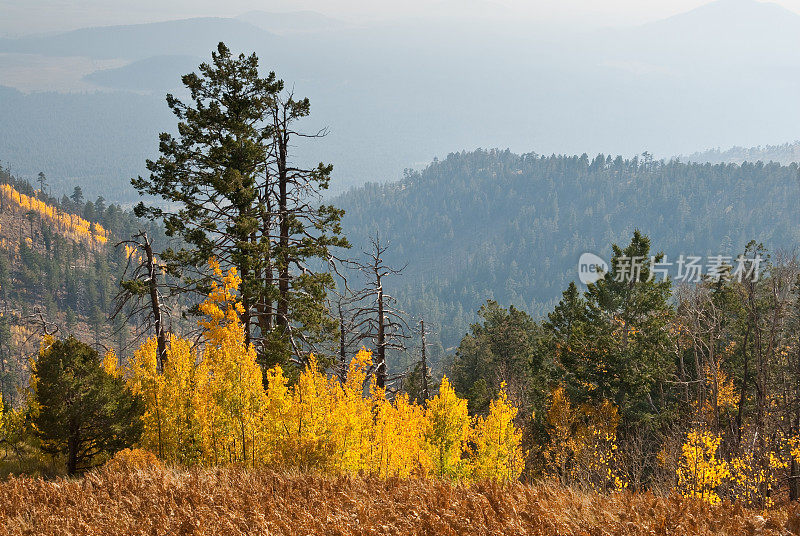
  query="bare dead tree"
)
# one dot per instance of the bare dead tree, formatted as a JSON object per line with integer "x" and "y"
{"x": 343, "y": 306}
{"x": 377, "y": 317}
{"x": 425, "y": 393}
{"x": 140, "y": 292}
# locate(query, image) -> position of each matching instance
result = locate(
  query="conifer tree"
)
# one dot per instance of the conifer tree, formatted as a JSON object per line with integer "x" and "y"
{"x": 624, "y": 356}
{"x": 233, "y": 193}
{"x": 83, "y": 412}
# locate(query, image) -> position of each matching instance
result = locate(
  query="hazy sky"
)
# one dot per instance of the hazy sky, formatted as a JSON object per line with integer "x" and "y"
{"x": 19, "y": 17}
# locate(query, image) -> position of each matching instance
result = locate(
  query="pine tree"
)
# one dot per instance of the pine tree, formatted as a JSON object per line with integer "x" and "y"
{"x": 83, "y": 412}
{"x": 238, "y": 198}
{"x": 624, "y": 355}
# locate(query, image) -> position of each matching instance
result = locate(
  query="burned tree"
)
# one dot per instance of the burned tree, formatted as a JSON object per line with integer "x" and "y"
{"x": 376, "y": 316}
{"x": 140, "y": 292}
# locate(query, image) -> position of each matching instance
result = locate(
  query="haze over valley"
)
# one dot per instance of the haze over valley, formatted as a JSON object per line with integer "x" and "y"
{"x": 85, "y": 106}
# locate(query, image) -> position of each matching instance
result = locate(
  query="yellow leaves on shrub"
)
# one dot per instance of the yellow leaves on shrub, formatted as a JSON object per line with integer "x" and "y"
{"x": 170, "y": 418}
{"x": 230, "y": 398}
{"x": 110, "y": 363}
{"x": 700, "y": 472}
{"x": 583, "y": 443}
{"x": 448, "y": 430}
{"x": 133, "y": 459}
{"x": 722, "y": 392}
{"x": 213, "y": 409}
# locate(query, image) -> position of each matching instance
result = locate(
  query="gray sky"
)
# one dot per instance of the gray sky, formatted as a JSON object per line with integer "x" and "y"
{"x": 19, "y": 17}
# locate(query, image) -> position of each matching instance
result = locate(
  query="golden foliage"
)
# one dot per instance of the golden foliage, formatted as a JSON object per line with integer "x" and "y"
{"x": 498, "y": 453}
{"x": 700, "y": 472}
{"x": 111, "y": 363}
{"x": 229, "y": 398}
{"x": 448, "y": 430}
{"x": 133, "y": 459}
{"x": 212, "y": 409}
{"x": 170, "y": 422}
{"x": 583, "y": 443}
{"x": 70, "y": 225}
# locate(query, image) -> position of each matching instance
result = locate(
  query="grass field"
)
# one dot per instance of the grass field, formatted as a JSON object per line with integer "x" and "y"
{"x": 235, "y": 501}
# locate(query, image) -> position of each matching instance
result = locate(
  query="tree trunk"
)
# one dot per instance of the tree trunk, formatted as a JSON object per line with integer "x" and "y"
{"x": 424, "y": 365}
{"x": 155, "y": 302}
{"x": 282, "y": 320}
{"x": 380, "y": 372}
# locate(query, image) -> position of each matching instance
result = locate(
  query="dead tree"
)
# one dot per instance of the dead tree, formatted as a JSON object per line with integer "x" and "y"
{"x": 142, "y": 291}
{"x": 342, "y": 305}
{"x": 425, "y": 393}
{"x": 376, "y": 317}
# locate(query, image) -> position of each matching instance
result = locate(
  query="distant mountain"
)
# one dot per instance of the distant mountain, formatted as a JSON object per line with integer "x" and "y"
{"x": 783, "y": 154}
{"x": 752, "y": 38}
{"x": 186, "y": 37}
{"x": 496, "y": 225}
{"x": 394, "y": 94}
{"x": 159, "y": 73}
{"x": 292, "y": 22}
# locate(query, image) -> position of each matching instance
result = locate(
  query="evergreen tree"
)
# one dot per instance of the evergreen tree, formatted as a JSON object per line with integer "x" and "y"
{"x": 501, "y": 349}
{"x": 237, "y": 197}
{"x": 83, "y": 412}
{"x": 626, "y": 337}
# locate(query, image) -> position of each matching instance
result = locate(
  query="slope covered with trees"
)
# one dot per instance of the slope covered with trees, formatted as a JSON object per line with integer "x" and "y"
{"x": 497, "y": 225}
{"x": 59, "y": 272}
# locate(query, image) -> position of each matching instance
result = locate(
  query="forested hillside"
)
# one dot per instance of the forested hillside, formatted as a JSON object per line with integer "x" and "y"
{"x": 97, "y": 141}
{"x": 497, "y": 225}
{"x": 59, "y": 273}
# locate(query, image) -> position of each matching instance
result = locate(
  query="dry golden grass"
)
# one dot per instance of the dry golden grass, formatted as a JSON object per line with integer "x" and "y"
{"x": 130, "y": 501}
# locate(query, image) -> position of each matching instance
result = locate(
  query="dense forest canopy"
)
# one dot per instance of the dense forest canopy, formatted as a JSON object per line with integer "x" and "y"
{"x": 492, "y": 224}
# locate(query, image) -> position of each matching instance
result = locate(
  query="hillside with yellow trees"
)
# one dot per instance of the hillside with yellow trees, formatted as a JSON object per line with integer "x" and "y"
{"x": 244, "y": 362}
{"x": 18, "y": 205}
{"x": 324, "y": 454}
{"x": 59, "y": 274}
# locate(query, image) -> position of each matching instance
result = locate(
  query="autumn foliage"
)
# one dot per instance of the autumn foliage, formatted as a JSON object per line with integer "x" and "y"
{"x": 209, "y": 407}
{"x": 70, "y": 225}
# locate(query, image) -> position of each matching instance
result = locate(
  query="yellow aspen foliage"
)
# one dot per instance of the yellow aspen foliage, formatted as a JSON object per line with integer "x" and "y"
{"x": 407, "y": 451}
{"x": 700, "y": 472}
{"x": 144, "y": 380}
{"x": 276, "y": 426}
{"x": 498, "y": 453}
{"x": 448, "y": 430}
{"x": 352, "y": 419}
{"x": 583, "y": 443}
{"x": 398, "y": 444}
{"x": 722, "y": 393}
{"x": 213, "y": 409}
{"x": 561, "y": 421}
{"x": 755, "y": 476}
{"x": 229, "y": 398}
{"x": 599, "y": 462}
{"x": 180, "y": 425}
{"x": 311, "y": 434}
{"x": 111, "y": 363}
{"x": 70, "y": 225}
{"x": 170, "y": 423}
